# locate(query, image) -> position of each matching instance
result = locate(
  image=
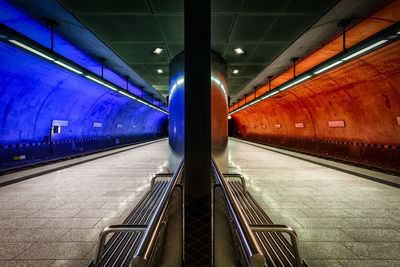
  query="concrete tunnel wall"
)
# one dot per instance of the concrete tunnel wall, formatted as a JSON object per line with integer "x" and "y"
{"x": 364, "y": 93}
{"x": 33, "y": 93}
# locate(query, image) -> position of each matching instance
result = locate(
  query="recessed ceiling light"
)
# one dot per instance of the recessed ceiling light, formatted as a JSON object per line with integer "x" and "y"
{"x": 239, "y": 51}
{"x": 160, "y": 71}
{"x": 235, "y": 71}
{"x": 158, "y": 50}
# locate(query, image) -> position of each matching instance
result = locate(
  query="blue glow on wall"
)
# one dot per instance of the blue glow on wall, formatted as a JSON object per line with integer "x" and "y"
{"x": 176, "y": 120}
{"x": 21, "y": 22}
{"x": 33, "y": 93}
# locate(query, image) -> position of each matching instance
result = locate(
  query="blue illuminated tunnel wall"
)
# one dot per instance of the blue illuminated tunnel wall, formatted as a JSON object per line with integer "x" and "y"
{"x": 36, "y": 95}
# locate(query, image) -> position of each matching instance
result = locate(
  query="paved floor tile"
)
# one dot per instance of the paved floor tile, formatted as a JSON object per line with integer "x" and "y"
{"x": 58, "y": 250}
{"x": 324, "y": 263}
{"x": 373, "y": 234}
{"x": 11, "y": 250}
{"x": 26, "y": 263}
{"x": 326, "y": 250}
{"x": 375, "y": 250}
{"x": 370, "y": 263}
{"x": 34, "y": 235}
{"x": 81, "y": 235}
{"x": 329, "y": 209}
{"x": 69, "y": 263}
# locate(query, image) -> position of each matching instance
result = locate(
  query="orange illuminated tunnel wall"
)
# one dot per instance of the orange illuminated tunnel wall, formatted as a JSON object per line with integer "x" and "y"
{"x": 351, "y": 112}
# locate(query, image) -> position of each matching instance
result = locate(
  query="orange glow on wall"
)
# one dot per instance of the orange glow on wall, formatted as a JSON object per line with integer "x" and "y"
{"x": 364, "y": 93}
{"x": 366, "y": 27}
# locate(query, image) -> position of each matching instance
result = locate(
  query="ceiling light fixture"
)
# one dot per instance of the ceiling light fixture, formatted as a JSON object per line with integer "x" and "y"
{"x": 111, "y": 87}
{"x": 160, "y": 71}
{"x": 68, "y": 67}
{"x": 158, "y": 50}
{"x": 296, "y": 82}
{"x": 365, "y": 49}
{"x": 94, "y": 79}
{"x": 328, "y": 67}
{"x": 235, "y": 71}
{"x": 239, "y": 51}
{"x": 31, "y": 50}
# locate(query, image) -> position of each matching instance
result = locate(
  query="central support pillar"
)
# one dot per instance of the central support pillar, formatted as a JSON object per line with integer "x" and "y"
{"x": 197, "y": 178}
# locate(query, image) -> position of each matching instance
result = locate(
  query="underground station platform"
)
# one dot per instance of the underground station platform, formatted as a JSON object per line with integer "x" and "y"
{"x": 199, "y": 133}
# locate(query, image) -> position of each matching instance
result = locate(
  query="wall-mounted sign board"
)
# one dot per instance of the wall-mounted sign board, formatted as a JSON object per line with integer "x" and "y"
{"x": 119, "y": 126}
{"x": 299, "y": 125}
{"x": 60, "y": 123}
{"x": 278, "y": 126}
{"x": 336, "y": 124}
{"x": 97, "y": 124}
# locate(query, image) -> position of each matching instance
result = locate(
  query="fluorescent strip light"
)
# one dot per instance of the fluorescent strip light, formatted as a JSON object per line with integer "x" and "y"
{"x": 328, "y": 67}
{"x": 94, "y": 79}
{"x": 398, "y": 32}
{"x": 32, "y": 50}
{"x": 111, "y": 87}
{"x": 158, "y": 51}
{"x": 235, "y": 71}
{"x": 365, "y": 49}
{"x": 239, "y": 51}
{"x": 68, "y": 67}
{"x": 160, "y": 71}
{"x": 296, "y": 82}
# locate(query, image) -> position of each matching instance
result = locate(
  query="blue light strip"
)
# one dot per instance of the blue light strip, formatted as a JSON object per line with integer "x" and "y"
{"x": 91, "y": 76}
{"x": 353, "y": 53}
{"x": 33, "y": 33}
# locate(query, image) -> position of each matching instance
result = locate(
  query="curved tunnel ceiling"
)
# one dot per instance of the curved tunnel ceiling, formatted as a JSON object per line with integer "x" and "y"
{"x": 133, "y": 29}
{"x": 73, "y": 30}
{"x": 270, "y": 33}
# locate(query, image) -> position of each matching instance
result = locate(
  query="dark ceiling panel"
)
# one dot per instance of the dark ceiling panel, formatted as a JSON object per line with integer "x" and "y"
{"x": 265, "y": 52}
{"x": 172, "y": 28}
{"x": 220, "y": 27}
{"x": 79, "y": 5}
{"x": 226, "y": 5}
{"x": 139, "y": 53}
{"x": 139, "y": 28}
{"x": 289, "y": 28}
{"x": 317, "y": 6}
{"x": 124, "y": 5}
{"x": 126, "y": 52}
{"x": 251, "y": 28}
{"x": 104, "y": 27}
{"x": 174, "y": 49}
{"x": 264, "y": 6}
{"x": 170, "y": 6}
{"x": 233, "y": 58}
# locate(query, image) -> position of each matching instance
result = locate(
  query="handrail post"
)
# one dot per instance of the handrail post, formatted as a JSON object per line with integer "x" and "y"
{"x": 285, "y": 229}
{"x": 114, "y": 229}
{"x": 148, "y": 241}
{"x": 253, "y": 249}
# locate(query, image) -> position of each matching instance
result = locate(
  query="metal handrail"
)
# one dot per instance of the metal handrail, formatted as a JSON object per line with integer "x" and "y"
{"x": 114, "y": 229}
{"x": 283, "y": 229}
{"x": 158, "y": 175}
{"x": 252, "y": 248}
{"x": 148, "y": 241}
{"x": 236, "y": 175}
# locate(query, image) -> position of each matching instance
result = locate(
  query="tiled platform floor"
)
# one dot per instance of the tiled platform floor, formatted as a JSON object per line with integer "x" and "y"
{"x": 55, "y": 219}
{"x": 341, "y": 219}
